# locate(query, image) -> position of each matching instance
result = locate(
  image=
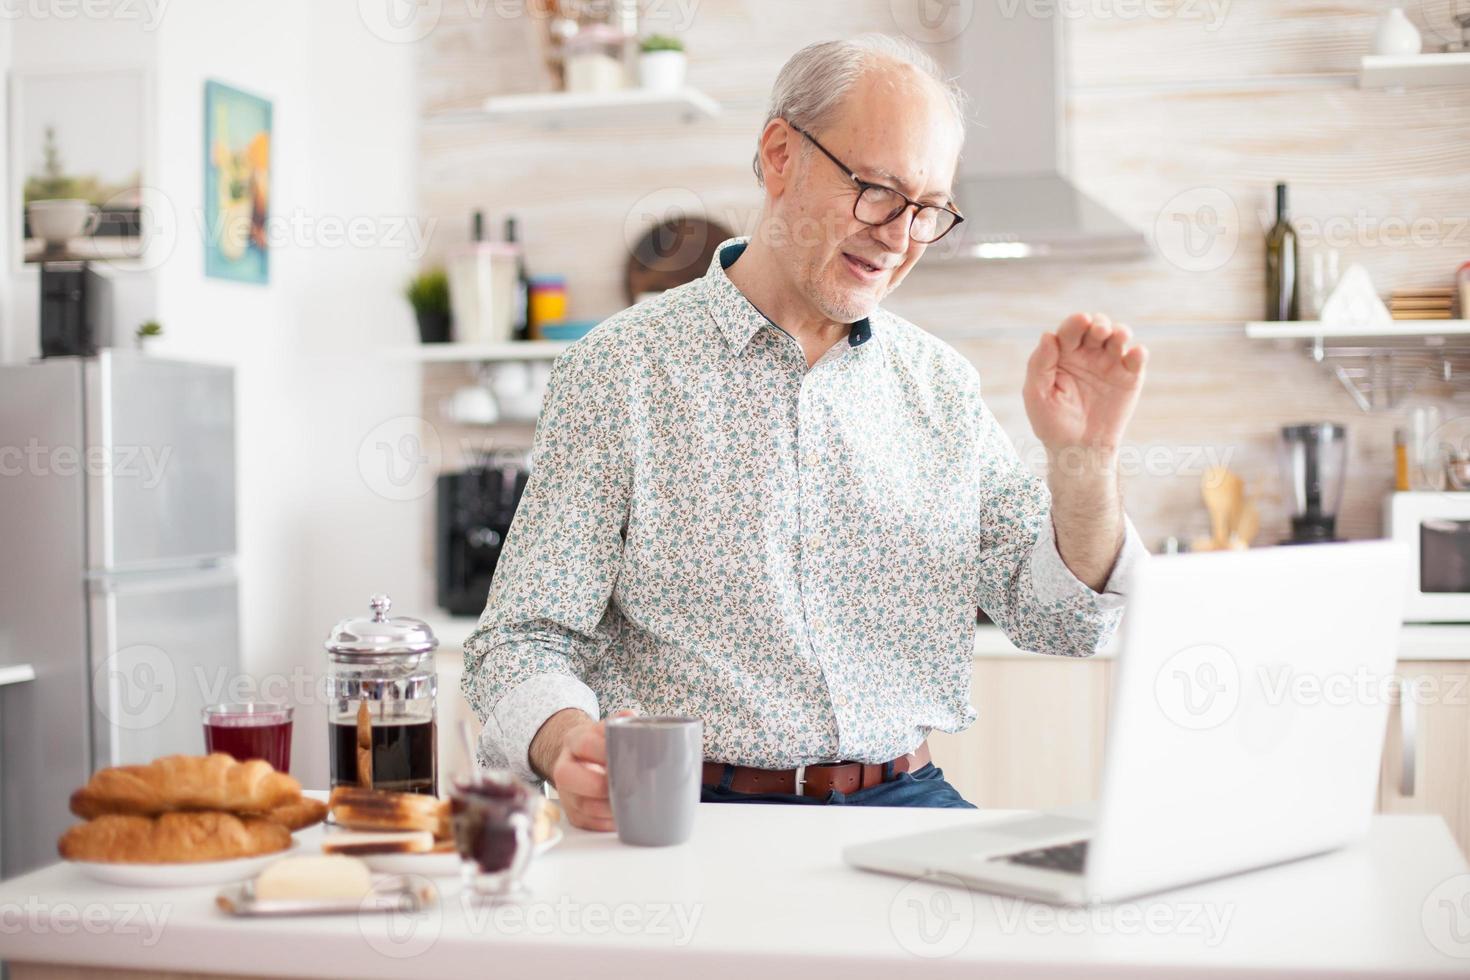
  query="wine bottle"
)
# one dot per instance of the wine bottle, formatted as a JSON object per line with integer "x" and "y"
{"x": 1282, "y": 265}
{"x": 521, "y": 305}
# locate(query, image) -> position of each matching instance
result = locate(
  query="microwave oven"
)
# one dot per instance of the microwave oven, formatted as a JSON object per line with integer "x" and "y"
{"x": 1436, "y": 528}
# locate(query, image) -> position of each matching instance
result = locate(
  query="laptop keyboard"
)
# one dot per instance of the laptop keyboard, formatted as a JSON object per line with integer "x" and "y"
{"x": 1062, "y": 857}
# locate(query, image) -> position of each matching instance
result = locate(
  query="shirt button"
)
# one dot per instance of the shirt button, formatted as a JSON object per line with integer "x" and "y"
{"x": 814, "y": 542}
{"x": 813, "y": 461}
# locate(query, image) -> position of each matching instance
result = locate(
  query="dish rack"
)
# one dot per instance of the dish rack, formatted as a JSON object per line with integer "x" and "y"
{"x": 1380, "y": 366}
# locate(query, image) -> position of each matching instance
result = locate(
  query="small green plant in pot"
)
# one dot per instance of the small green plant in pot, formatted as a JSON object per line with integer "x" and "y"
{"x": 662, "y": 64}
{"x": 146, "y": 332}
{"x": 428, "y": 294}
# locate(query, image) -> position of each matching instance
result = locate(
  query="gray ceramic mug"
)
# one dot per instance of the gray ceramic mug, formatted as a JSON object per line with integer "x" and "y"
{"x": 653, "y": 769}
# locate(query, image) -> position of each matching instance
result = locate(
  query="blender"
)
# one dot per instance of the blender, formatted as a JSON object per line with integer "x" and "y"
{"x": 1313, "y": 463}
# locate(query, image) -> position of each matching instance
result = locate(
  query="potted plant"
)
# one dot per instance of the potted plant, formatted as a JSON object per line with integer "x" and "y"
{"x": 661, "y": 63}
{"x": 145, "y": 333}
{"x": 428, "y": 294}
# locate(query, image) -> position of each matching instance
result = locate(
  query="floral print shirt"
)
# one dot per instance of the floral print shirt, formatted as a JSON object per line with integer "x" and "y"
{"x": 794, "y": 555}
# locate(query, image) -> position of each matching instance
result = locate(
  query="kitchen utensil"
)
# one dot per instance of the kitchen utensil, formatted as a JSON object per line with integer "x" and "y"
{"x": 1314, "y": 464}
{"x": 1246, "y": 526}
{"x": 672, "y": 253}
{"x": 1222, "y": 492}
{"x": 483, "y": 291}
{"x": 548, "y": 303}
{"x": 653, "y": 767}
{"x": 250, "y": 730}
{"x": 592, "y": 59}
{"x": 381, "y": 688}
{"x": 467, "y": 737}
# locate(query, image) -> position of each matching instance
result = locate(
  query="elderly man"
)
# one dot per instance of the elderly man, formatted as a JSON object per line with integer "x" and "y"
{"x": 764, "y": 501}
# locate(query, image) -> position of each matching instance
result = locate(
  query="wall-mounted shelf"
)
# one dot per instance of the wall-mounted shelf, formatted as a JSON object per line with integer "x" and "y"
{"x": 1380, "y": 365}
{"x": 624, "y": 107}
{"x": 1414, "y": 71}
{"x": 517, "y": 350}
{"x": 1411, "y": 332}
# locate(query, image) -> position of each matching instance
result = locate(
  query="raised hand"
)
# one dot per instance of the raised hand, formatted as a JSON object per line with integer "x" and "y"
{"x": 1082, "y": 384}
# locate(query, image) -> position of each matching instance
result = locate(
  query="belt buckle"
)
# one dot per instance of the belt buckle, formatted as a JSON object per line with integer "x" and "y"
{"x": 801, "y": 780}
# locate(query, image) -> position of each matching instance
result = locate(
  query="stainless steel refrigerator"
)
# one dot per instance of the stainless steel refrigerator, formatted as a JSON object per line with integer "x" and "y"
{"x": 117, "y": 574}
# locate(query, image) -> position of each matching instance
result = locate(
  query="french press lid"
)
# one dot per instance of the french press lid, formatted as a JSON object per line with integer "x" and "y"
{"x": 380, "y": 637}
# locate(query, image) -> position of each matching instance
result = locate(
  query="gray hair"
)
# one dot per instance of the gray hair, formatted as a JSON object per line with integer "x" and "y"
{"x": 811, "y": 86}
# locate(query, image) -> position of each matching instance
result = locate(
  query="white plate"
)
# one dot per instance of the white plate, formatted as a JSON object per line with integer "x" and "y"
{"x": 443, "y": 864}
{"x": 182, "y": 875}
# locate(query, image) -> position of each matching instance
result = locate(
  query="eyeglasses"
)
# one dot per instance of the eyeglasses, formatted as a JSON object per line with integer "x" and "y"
{"x": 877, "y": 205}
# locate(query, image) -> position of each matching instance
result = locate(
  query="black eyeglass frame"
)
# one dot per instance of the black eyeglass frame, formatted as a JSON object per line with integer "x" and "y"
{"x": 864, "y": 185}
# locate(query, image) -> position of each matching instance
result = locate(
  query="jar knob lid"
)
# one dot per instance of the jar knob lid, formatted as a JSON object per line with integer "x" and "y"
{"x": 380, "y": 637}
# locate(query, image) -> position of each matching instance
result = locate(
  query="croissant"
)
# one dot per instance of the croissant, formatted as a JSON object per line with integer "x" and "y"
{"x": 172, "y": 838}
{"x": 298, "y": 814}
{"x": 185, "y": 782}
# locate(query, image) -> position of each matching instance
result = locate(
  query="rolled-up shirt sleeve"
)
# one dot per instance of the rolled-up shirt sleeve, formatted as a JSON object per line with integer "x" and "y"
{"x": 1024, "y": 585}
{"x": 547, "y": 622}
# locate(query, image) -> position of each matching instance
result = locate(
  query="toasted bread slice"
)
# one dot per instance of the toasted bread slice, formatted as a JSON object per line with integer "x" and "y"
{"x": 357, "y": 808}
{"x": 353, "y": 842}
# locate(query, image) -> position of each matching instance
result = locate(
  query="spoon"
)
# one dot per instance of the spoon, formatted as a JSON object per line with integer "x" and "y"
{"x": 1247, "y": 526}
{"x": 1222, "y": 491}
{"x": 468, "y": 737}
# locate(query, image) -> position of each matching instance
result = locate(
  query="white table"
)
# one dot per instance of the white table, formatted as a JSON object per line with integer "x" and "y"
{"x": 761, "y": 892}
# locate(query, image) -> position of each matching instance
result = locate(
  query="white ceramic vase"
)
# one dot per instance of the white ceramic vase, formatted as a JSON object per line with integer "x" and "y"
{"x": 662, "y": 71}
{"x": 1396, "y": 35}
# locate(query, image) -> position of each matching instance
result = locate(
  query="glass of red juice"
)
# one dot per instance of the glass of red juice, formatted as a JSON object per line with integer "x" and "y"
{"x": 250, "y": 730}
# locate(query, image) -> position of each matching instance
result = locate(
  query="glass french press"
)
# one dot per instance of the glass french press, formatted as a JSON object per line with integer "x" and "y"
{"x": 381, "y": 689}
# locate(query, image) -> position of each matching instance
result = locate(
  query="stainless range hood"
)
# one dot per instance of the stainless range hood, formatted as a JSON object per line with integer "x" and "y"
{"x": 1011, "y": 186}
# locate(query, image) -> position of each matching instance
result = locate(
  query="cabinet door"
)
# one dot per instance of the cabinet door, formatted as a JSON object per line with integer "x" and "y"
{"x": 1038, "y": 738}
{"x": 1426, "y": 757}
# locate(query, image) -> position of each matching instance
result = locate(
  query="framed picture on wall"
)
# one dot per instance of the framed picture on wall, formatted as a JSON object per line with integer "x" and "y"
{"x": 237, "y": 180}
{"x": 77, "y": 152}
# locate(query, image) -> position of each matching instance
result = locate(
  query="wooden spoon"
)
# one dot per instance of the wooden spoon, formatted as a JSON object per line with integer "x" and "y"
{"x": 1222, "y": 491}
{"x": 1247, "y": 525}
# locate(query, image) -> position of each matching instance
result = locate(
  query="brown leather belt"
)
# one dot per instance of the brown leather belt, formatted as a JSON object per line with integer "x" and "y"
{"x": 815, "y": 780}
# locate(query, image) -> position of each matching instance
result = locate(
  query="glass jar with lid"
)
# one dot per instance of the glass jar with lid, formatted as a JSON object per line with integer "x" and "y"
{"x": 381, "y": 690}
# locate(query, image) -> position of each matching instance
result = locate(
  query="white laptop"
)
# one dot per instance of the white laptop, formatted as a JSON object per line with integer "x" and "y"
{"x": 1249, "y": 704}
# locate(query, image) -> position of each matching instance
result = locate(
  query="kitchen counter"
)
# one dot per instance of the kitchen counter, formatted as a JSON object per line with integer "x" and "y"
{"x": 763, "y": 890}
{"x": 1416, "y": 641}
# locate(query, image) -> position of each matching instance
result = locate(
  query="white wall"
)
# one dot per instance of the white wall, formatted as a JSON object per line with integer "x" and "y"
{"x": 314, "y": 538}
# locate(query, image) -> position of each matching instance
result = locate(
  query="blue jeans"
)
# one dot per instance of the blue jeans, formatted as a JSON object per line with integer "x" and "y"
{"x": 925, "y": 786}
